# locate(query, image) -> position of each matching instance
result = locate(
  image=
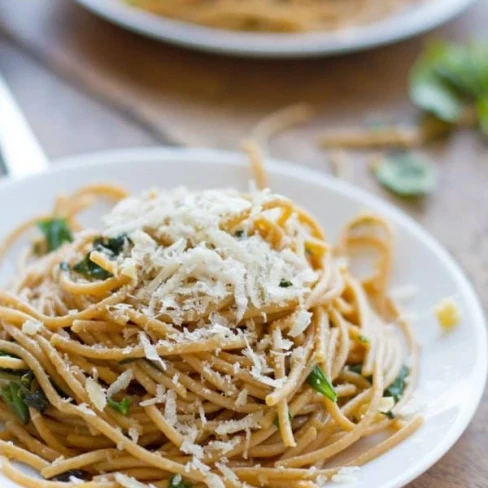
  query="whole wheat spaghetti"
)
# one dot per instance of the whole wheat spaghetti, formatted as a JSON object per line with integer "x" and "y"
{"x": 274, "y": 15}
{"x": 211, "y": 338}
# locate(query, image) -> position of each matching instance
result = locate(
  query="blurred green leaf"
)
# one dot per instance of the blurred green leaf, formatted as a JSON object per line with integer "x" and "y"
{"x": 431, "y": 92}
{"x": 406, "y": 174}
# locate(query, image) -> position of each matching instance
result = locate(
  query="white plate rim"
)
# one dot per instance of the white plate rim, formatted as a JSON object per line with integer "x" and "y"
{"x": 217, "y": 156}
{"x": 416, "y": 20}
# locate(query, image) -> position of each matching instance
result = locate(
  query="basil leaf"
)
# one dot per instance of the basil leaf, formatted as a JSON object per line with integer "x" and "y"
{"x": 482, "y": 109}
{"x": 36, "y": 399}
{"x": 319, "y": 382}
{"x": 56, "y": 232}
{"x": 396, "y": 389}
{"x": 465, "y": 68}
{"x": 122, "y": 407}
{"x": 111, "y": 245}
{"x": 363, "y": 339}
{"x": 177, "y": 481}
{"x": 8, "y": 354}
{"x": 74, "y": 473}
{"x": 406, "y": 174}
{"x": 432, "y": 92}
{"x": 12, "y": 396}
{"x": 89, "y": 269}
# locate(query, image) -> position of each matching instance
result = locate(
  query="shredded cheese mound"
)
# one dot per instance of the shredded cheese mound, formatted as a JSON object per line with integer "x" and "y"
{"x": 201, "y": 264}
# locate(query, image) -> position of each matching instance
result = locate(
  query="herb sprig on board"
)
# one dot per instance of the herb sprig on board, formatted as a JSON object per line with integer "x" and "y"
{"x": 407, "y": 174}
{"x": 450, "y": 81}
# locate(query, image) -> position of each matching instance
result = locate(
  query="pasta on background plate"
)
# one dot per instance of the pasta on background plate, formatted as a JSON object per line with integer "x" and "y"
{"x": 276, "y": 15}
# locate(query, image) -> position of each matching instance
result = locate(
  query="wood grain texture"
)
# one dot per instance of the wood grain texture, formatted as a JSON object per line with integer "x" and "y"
{"x": 87, "y": 85}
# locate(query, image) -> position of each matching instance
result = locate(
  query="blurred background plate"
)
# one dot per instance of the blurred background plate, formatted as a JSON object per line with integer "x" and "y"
{"x": 412, "y": 21}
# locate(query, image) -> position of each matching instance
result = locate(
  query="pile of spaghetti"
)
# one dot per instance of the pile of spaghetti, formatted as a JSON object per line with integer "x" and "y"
{"x": 273, "y": 15}
{"x": 210, "y": 338}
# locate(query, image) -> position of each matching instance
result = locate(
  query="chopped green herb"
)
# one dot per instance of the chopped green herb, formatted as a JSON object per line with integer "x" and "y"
{"x": 389, "y": 414}
{"x": 285, "y": 283}
{"x": 363, "y": 339}
{"x": 276, "y": 421}
{"x": 56, "y": 232}
{"x": 8, "y": 354}
{"x": 406, "y": 174}
{"x": 319, "y": 382}
{"x": 12, "y": 396}
{"x": 74, "y": 473}
{"x": 26, "y": 380}
{"x": 396, "y": 389}
{"x": 239, "y": 233}
{"x": 122, "y": 407}
{"x": 89, "y": 269}
{"x": 177, "y": 481}
{"x": 36, "y": 399}
{"x": 112, "y": 245}
{"x": 482, "y": 109}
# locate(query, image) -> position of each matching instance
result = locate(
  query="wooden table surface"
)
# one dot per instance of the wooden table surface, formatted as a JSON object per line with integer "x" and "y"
{"x": 86, "y": 85}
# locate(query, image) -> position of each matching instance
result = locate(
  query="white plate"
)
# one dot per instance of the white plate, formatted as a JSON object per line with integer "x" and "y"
{"x": 453, "y": 366}
{"x": 410, "y": 22}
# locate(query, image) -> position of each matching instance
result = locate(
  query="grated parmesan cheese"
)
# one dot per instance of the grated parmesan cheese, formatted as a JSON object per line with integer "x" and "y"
{"x": 242, "y": 397}
{"x": 188, "y": 445}
{"x": 229, "y": 475}
{"x": 404, "y": 293}
{"x": 250, "y": 421}
{"x": 150, "y": 350}
{"x": 170, "y": 408}
{"x": 159, "y": 398}
{"x": 31, "y": 327}
{"x": 133, "y": 434}
{"x": 200, "y": 264}
{"x": 121, "y": 383}
{"x": 84, "y": 408}
{"x": 128, "y": 482}
{"x": 96, "y": 394}
{"x": 346, "y": 475}
{"x": 300, "y": 323}
{"x": 386, "y": 404}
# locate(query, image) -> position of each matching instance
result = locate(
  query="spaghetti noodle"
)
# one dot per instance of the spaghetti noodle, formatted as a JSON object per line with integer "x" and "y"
{"x": 276, "y": 16}
{"x": 208, "y": 338}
